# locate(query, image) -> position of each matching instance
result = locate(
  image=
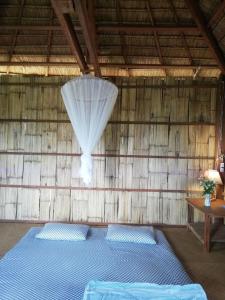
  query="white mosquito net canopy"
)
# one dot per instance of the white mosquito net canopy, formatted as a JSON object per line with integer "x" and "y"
{"x": 89, "y": 102}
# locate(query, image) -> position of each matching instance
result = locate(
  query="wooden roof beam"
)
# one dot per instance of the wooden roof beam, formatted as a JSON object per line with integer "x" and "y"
{"x": 112, "y": 54}
{"x": 91, "y": 14}
{"x": 155, "y": 66}
{"x": 222, "y": 139}
{"x": 156, "y": 38}
{"x": 87, "y": 29}
{"x": 218, "y": 14}
{"x": 71, "y": 36}
{"x": 144, "y": 29}
{"x": 122, "y": 38}
{"x": 16, "y": 31}
{"x": 109, "y": 28}
{"x": 102, "y": 47}
{"x": 206, "y": 33}
{"x": 181, "y": 34}
{"x": 50, "y": 34}
{"x": 108, "y": 65}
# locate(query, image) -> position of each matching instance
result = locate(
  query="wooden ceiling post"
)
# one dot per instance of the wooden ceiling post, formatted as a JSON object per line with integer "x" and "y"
{"x": 223, "y": 116}
{"x": 86, "y": 26}
{"x": 71, "y": 36}
{"x": 220, "y": 133}
{"x": 206, "y": 33}
{"x": 222, "y": 144}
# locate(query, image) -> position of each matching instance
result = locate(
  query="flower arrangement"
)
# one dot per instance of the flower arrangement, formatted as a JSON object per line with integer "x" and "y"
{"x": 208, "y": 186}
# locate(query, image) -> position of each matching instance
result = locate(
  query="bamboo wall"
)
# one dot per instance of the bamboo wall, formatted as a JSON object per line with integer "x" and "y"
{"x": 160, "y": 137}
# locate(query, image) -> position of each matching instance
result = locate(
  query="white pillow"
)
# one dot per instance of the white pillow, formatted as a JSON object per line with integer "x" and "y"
{"x": 60, "y": 231}
{"x": 131, "y": 234}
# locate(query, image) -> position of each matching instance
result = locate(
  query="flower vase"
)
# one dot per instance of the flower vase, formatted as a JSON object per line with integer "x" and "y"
{"x": 207, "y": 200}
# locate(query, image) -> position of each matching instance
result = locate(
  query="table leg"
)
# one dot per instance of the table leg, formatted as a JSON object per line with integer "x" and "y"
{"x": 207, "y": 232}
{"x": 190, "y": 214}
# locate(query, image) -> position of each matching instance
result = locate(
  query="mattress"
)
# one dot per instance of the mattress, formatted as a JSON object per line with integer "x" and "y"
{"x": 43, "y": 269}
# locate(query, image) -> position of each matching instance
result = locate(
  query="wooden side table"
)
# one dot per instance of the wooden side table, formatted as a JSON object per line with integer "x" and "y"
{"x": 207, "y": 232}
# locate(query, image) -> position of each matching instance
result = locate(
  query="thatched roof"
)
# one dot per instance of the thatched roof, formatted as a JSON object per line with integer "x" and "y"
{"x": 113, "y": 37}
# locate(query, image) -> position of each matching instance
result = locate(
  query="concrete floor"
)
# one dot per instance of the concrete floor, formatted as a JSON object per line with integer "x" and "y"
{"x": 208, "y": 269}
{"x": 205, "y": 268}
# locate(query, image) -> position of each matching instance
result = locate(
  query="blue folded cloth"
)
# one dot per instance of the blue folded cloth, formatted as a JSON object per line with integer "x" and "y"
{"x": 103, "y": 290}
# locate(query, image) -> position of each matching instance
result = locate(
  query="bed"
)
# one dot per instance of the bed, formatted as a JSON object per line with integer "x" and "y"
{"x": 44, "y": 269}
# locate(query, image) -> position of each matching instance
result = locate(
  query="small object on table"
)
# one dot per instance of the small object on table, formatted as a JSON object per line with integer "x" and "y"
{"x": 207, "y": 199}
{"x": 208, "y": 186}
{"x": 211, "y": 175}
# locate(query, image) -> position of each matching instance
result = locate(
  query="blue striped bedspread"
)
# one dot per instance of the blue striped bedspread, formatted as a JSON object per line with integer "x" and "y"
{"x": 100, "y": 290}
{"x": 59, "y": 270}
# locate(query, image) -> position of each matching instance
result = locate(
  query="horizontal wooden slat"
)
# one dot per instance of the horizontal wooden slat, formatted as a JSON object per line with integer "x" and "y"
{"x": 94, "y": 224}
{"x": 108, "y": 155}
{"x": 83, "y": 188}
{"x": 111, "y": 122}
{"x": 138, "y": 66}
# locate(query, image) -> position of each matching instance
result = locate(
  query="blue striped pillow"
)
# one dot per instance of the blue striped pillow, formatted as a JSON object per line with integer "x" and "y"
{"x": 131, "y": 234}
{"x": 60, "y": 231}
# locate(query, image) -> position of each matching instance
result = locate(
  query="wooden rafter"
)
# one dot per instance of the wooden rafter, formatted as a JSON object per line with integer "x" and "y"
{"x": 144, "y": 29}
{"x": 108, "y": 65}
{"x": 122, "y": 39}
{"x": 206, "y": 33}
{"x": 138, "y": 56}
{"x": 109, "y": 28}
{"x": 218, "y": 14}
{"x": 31, "y": 27}
{"x": 156, "y": 38}
{"x": 155, "y": 66}
{"x": 136, "y": 46}
{"x": 16, "y": 30}
{"x": 87, "y": 25}
{"x": 181, "y": 34}
{"x": 71, "y": 36}
{"x": 50, "y": 33}
{"x": 101, "y": 47}
{"x": 91, "y": 14}
{"x": 221, "y": 37}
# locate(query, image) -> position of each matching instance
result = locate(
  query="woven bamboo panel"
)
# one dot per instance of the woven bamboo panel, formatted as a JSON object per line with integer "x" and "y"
{"x": 147, "y": 161}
